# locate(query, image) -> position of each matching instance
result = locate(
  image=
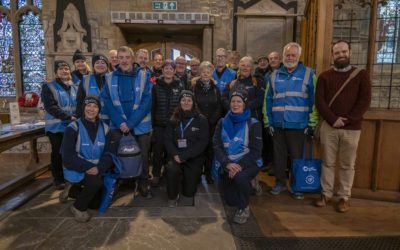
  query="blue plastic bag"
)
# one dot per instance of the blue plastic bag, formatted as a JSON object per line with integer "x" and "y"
{"x": 216, "y": 170}
{"x": 110, "y": 179}
{"x": 306, "y": 174}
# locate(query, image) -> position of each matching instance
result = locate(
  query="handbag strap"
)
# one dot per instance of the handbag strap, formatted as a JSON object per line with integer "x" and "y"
{"x": 352, "y": 75}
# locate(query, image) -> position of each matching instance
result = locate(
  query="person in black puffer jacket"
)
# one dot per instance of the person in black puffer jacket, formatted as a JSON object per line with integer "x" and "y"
{"x": 208, "y": 99}
{"x": 186, "y": 138}
{"x": 165, "y": 98}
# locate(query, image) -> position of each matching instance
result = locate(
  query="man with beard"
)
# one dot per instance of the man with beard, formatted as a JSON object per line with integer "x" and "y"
{"x": 341, "y": 128}
{"x": 290, "y": 112}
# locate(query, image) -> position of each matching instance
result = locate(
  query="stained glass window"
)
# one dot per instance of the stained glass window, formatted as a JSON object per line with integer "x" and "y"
{"x": 7, "y": 76}
{"x": 21, "y": 3}
{"x": 37, "y": 3}
{"x": 386, "y": 83}
{"x": 6, "y": 3}
{"x": 388, "y": 32}
{"x": 32, "y": 52}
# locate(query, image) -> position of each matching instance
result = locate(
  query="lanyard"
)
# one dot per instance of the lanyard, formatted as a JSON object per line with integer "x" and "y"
{"x": 187, "y": 125}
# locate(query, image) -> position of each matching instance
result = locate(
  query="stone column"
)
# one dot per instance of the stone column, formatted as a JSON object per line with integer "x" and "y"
{"x": 207, "y": 44}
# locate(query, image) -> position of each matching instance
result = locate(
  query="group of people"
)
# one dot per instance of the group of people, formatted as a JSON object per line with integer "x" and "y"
{"x": 191, "y": 122}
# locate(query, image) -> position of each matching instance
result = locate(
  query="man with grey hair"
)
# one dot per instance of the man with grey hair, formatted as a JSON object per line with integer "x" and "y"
{"x": 289, "y": 112}
{"x": 142, "y": 58}
{"x": 127, "y": 101}
{"x": 194, "y": 68}
{"x": 113, "y": 59}
{"x": 181, "y": 71}
{"x": 222, "y": 74}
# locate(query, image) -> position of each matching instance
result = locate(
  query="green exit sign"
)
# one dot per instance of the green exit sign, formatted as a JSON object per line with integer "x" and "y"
{"x": 164, "y": 5}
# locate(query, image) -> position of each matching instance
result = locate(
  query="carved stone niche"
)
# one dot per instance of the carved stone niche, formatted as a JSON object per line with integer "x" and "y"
{"x": 72, "y": 27}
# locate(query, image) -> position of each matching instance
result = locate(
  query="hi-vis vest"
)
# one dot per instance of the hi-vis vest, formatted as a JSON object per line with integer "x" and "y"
{"x": 91, "y": 88}
{"x": 228, "y": 76}
{"x": 140, "y": 81}
{"x": 86, "y": 149}
{"x": 290, "y": 97}
{"x": 66, "y": 101}
{"x": 238, "y": 146}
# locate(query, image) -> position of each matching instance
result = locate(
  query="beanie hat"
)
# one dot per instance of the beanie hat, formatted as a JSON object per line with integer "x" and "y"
{"x": 169, "y": 62}
{"x": 60, "y": 63}
{"x": 78, "y": 56}
{"x": 92, "y": 99}
{"x": 262, "y": 57}
{"x": 241, "y": 92}
{"x": 186, "y": 93}
{"x": 97, "y": 57}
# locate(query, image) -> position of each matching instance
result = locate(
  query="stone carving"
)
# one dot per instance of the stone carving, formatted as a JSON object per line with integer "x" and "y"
{"x": 71, "y": 31}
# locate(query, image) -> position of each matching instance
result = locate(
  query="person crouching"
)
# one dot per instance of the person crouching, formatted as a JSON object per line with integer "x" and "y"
{"x": 237, "y": 147}
{"x": 186, "y": 138}
{"x": 82, "y": 149}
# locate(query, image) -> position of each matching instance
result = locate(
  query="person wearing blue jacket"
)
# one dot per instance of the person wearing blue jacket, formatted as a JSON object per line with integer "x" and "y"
{"x": 83, "y": 147}
{"x": 289, "y": 112}
{"x": 222, "y": 74}
{"x": 127, "y": 100}
{"x": 59, "y": 99}
{"x": 237, "y": 147}
{"x": 93, "y": 84}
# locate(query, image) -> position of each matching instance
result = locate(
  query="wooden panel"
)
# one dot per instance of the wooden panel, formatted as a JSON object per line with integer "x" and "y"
{"x": 365, "y": 154}
{"x": 389, "y": 158}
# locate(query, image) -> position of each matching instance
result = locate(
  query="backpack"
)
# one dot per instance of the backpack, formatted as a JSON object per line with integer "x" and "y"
{"x": 130, "y": 157}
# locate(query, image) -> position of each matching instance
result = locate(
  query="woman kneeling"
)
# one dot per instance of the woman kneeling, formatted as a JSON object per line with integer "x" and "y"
{"x": 82, "y": 149}
{"x": 237, "y": 146}
{"x": 186, "y": 138}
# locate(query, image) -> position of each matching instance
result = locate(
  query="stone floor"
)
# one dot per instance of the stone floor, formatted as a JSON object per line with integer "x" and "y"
{"x": 130, "y": 223}
{"x": 43, "y": 223}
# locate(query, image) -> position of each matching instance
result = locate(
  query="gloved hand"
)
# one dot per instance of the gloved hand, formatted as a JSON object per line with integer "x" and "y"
{"x": 270, "y": 130}
{"x": 309, "y": 131}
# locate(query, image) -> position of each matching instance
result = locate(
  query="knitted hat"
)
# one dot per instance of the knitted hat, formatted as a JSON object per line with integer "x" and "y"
{"x": 186, "y": 93}
{"x": 262, "y": 57}
{"x": 60, "y": 63}
{"x": 78, "y": 56}
{"x": 169, "y": 62}
{"x": 241, "y": 92}
{"x": 92, "y": 99}
{"x": 97, "y": 57}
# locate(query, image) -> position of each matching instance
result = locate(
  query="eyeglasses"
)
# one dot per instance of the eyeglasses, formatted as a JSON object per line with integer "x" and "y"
{"x": 195, "y": 65}
{"x": 220, "y": 56}
{"x": 179, "y": 63}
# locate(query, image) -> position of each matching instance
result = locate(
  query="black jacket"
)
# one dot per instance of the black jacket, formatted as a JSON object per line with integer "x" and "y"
{"x": 51, "y": 105}
{"x": 165, "y": 98}
{"x": 255, "y": 146}
{"x": 81, "y": 93}
{"x": 209, "y": 102}
{"x": 70, "y": 157}
{"x": 156, "y": 72}
{"x": 196, "y": 135}
{"x": 255, "y": 98}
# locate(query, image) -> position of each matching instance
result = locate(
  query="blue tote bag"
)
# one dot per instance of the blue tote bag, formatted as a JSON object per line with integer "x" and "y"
{"x": 306, "y": 173}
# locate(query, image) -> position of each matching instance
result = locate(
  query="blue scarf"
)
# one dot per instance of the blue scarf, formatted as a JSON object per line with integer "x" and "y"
{"x": 232, "y": 122}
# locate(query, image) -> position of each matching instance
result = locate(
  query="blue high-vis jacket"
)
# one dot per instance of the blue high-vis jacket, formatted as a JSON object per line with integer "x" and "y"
{"x": 66, "y": 101}
{"x": 227, "y": 76}
{"x": 127, "y": 98}
{"x": 289, "y": 101}
{"x": 91, "y": 88}
{"x": 75, "y": 79}
{"x": 86, "y": 149}
{"x": 238, "y": 146}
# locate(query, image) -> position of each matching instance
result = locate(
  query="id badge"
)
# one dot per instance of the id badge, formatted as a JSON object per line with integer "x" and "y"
{"x": 182, "y": 143}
